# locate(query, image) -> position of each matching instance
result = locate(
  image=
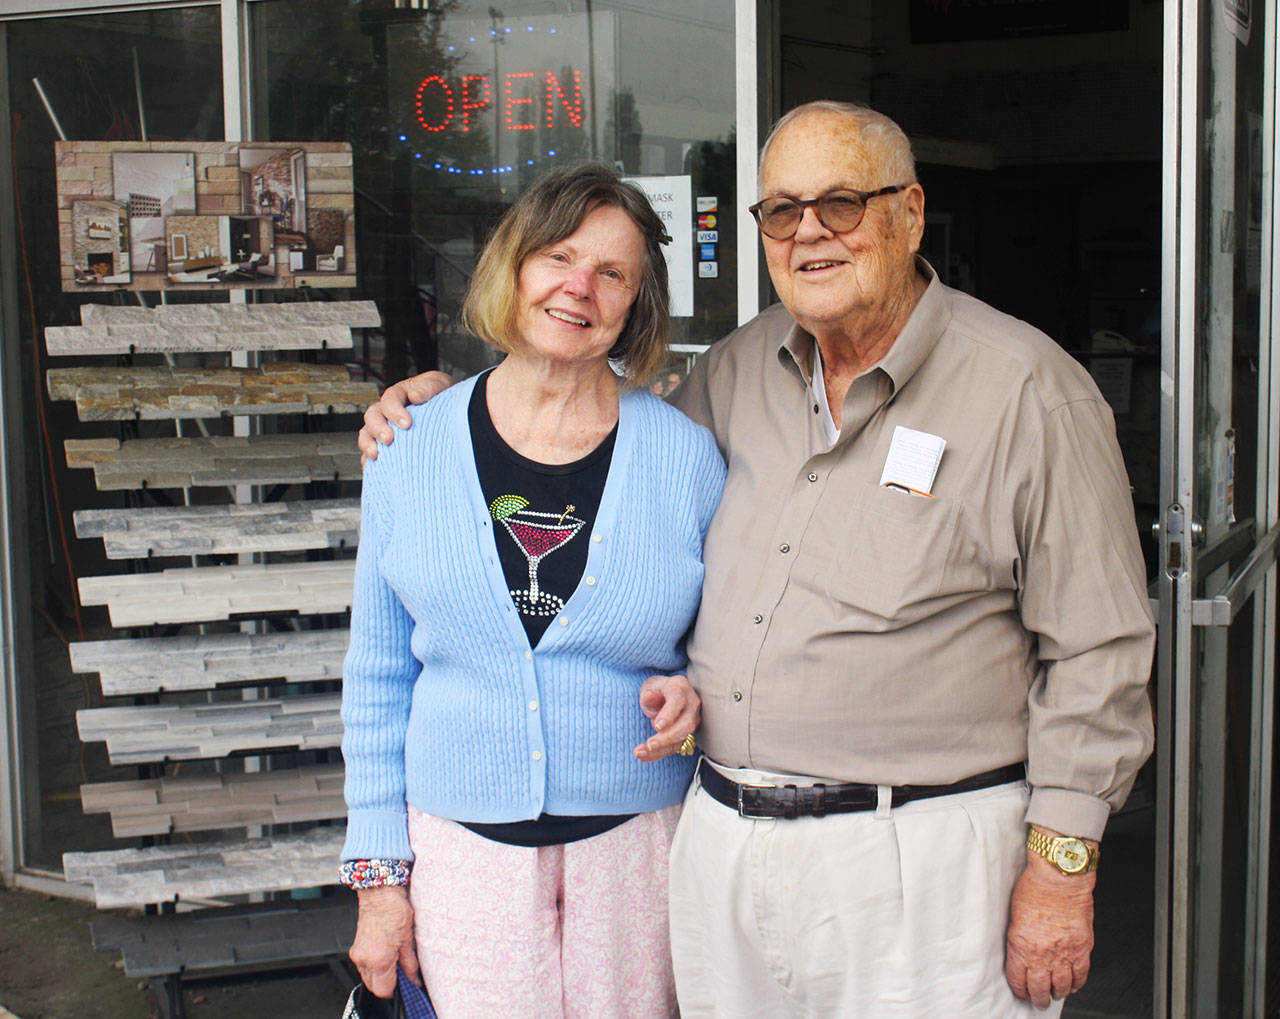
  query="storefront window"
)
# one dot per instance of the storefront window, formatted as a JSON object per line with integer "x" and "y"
{"x": 115, "y": 77}
{"x": 452, "y": 111}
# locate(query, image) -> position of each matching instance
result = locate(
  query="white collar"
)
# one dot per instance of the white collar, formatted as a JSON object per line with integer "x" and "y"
{"x": 819, "y": 389}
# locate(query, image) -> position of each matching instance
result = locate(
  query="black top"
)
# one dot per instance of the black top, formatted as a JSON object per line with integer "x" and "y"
{"x": 542, "y": 513}
{"x": 543, "y": 516}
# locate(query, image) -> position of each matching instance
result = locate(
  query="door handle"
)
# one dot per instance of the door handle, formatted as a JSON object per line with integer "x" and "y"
{"x": 1222, "y": 609}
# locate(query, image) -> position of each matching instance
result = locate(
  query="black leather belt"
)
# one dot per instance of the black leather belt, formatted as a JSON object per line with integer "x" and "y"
{"x": 763, "y": 802}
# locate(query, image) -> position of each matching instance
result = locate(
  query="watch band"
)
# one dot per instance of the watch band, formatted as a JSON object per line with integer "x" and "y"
{"x": 1052, "y": 847}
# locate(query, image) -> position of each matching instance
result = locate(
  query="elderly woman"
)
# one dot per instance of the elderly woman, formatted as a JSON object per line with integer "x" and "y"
{"x": 525, "y": 579}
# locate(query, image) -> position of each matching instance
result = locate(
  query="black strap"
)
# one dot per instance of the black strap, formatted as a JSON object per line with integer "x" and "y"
{"x": 819, "y": 799}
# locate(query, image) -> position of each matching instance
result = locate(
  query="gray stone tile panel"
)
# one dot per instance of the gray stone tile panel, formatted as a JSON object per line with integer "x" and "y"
{"x": 165, "y": 732}
{"x": 207, "y": 870}
{"x": 300, "y": 930}
{"x": 152, "y": 338}
{"x": 115, "y": 314}
{"x": 349, "y": 313}
{"x": 233, "y": 528}
{"x": 203, "y": 661}
{"x": 216, "y": 460}
{"x": 110, "y": 329}
{"x": 357, "y": 314}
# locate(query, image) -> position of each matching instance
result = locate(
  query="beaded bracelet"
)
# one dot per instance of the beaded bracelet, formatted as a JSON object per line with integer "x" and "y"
{"x": 357, "y": 874}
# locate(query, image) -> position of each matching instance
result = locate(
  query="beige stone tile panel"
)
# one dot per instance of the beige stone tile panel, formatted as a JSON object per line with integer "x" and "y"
{"x": 216, "y": 460}
{"x": 204, "y": 594}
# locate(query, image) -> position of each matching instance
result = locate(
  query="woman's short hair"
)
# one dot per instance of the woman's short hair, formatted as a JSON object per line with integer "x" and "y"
{"x": 551, "y": 209}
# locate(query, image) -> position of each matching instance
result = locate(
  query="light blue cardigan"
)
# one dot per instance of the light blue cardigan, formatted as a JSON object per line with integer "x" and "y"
{"x": 445, "y": 705}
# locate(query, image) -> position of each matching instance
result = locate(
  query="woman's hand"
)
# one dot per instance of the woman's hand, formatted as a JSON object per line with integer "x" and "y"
{"x": 384, "y": 936}
{"x": 675, "y": 709}
{"x": 390, "y": 409}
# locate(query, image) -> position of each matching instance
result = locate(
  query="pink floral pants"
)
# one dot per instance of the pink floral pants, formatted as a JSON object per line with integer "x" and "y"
{"x": 572, "y": 930}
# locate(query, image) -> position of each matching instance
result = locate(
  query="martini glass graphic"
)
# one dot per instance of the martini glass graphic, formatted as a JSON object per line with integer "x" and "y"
{"x": 537, "y": 535}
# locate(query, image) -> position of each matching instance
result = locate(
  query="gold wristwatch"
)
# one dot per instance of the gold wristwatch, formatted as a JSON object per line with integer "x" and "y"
{"x": 1069, "y": 854}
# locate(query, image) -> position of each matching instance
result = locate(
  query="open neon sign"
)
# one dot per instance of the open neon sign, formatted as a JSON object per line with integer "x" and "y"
{"x": 530, "y": 99}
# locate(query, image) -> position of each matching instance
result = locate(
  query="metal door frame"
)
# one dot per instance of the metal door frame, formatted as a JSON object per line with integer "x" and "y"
{"x": 1179, "y": 611}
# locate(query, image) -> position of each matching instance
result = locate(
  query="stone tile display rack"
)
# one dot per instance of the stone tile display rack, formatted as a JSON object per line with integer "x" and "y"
{"x": 203, "y": 661}
{"x": 162, "y": 806}
{"x": 222, "y": 806}
{"x": 167, "y": 393}
{"x": 231, "y": 528}
{"x": 148, "y": 733}
{"x": 207, "y": 593}
{"x": 200, "y": 328}
{"x": 216, "y": 460}
{"x": 207, "y": 870}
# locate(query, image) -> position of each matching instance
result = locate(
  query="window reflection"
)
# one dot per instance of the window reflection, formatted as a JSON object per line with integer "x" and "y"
{"x": 453, "y": 111}
{"x": 86, "y": 68}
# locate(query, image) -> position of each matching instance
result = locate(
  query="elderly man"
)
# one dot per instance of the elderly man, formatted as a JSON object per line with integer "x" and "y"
{"x": 924, "y": 640}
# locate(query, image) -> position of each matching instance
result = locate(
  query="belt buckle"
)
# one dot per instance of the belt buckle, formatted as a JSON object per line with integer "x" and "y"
{"x": 742, "y": 810}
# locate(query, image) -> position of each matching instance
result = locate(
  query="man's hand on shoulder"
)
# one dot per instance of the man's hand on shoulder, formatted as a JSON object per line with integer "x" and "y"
{"x": 1050, "y": 932}
{"x": 390, "y": 410}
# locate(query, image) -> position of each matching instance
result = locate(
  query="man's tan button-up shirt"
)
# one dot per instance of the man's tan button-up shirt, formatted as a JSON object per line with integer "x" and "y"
{"x": 857, "y": 633}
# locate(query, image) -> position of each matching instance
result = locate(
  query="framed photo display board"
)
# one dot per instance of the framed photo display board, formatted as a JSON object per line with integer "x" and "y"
{"x": 205, "y": 215}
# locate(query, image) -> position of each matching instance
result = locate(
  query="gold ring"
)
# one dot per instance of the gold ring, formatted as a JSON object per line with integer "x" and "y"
{"x": 687, "y": 748}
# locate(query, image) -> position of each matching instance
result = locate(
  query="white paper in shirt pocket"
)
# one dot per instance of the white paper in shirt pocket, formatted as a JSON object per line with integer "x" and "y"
{"x": 913, "y": 461}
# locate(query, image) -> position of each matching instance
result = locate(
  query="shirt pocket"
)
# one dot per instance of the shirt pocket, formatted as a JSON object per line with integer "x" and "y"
{"x": 892, "y": 555}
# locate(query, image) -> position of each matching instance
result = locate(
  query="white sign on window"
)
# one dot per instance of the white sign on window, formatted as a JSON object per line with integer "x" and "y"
{"x": 672, "y": 200}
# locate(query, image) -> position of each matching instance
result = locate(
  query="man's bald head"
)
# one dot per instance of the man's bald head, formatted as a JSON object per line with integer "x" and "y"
{"x": 883, "y": 139}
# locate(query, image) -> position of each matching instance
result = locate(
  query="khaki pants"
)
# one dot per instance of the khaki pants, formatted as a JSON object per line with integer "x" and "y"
{"x": 877, "y": 914}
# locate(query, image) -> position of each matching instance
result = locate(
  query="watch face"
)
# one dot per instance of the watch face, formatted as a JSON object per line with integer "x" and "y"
{"x": 1071, "y": 856}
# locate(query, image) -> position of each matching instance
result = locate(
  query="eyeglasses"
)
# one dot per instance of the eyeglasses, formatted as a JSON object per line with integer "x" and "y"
{"x": 839, "y": 211}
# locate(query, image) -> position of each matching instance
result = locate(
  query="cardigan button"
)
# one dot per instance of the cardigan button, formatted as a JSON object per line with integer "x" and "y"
{"x": 537, "y": 755}
{"x": 528, "y": 655}
{"x": 533, "y": 705}
{"x": 591, "y": 581}
{"x": 562, "y": 621}
{"x": 737, "y": 695}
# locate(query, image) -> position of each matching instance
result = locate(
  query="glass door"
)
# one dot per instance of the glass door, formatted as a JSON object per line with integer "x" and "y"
{"x": 1218, "y": 538}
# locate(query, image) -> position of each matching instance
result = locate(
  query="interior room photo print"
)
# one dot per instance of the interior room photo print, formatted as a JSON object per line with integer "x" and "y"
{"x": 203, "y": 215}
